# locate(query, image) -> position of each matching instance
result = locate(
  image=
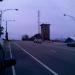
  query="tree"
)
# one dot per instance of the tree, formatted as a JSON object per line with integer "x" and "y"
{"x": 37, "y": 36}
{"x": 25, "y": 37}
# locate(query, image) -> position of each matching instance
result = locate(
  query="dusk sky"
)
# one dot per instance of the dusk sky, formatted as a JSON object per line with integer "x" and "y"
{"x": 51, "y": 11}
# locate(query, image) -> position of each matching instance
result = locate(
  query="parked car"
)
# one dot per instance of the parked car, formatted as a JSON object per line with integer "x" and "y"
{"x": 71, "y": 44}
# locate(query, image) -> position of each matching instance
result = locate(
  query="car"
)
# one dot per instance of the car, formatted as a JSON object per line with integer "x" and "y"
{"x": 71, "y": 44}
{"x": 37, "y": 41}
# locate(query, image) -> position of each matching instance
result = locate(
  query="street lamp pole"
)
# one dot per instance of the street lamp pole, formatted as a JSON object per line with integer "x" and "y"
{"x": 2, "y": 11}
{"x": 70, "y": 16}
{"x": 0, "y": 23}
{"x": 6, "y": 32}
{"x": 6, "y": 36}
{"x": 0, "y": 18}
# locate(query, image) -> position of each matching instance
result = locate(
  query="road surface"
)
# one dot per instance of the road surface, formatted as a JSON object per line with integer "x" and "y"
{"x": 42, "y": 59}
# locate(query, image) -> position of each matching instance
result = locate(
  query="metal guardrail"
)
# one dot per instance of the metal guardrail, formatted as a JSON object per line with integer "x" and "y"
{"x": 2, "y": 53}
{"x": 4, "y": 64}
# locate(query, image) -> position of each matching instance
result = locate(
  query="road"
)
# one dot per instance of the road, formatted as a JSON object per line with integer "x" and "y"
{"x": 42, "y": 59}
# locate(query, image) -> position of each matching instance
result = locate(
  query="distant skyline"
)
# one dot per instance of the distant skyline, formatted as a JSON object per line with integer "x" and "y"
{"x": 51, "y": 11}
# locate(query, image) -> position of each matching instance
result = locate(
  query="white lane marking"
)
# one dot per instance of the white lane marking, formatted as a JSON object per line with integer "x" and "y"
{"x": 45, "y": 66}
{"x": 13, "y": 68}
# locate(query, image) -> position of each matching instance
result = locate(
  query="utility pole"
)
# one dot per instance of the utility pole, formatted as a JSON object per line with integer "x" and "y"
{"x": 39, "y": 29}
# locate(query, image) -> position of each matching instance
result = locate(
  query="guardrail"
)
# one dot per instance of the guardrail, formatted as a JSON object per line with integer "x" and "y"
{"x": 4, "y": 64}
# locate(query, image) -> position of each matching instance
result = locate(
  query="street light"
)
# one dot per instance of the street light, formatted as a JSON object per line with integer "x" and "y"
{"x": 6, "y": 32}
{"x": 70, "y": 16}
{"x": 2, "y": 11}
{"x": 10, "y": 9}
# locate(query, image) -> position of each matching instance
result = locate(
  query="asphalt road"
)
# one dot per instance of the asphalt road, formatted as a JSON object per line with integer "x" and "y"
{"x": 42, "y": 59}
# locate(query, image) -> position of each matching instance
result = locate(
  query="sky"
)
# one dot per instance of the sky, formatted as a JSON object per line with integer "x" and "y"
{"x": 51, "y": 11}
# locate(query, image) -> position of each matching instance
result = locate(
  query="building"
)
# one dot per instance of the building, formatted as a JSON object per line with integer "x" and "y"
{"x": 45, "y": 31}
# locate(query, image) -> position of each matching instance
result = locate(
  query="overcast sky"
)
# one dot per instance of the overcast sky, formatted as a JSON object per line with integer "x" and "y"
{"x": 51, "y": 11}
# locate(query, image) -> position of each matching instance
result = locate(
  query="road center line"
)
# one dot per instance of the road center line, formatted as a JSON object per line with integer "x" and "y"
{"x": 41, "y": 63}
{"x": 13, "y": 68}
